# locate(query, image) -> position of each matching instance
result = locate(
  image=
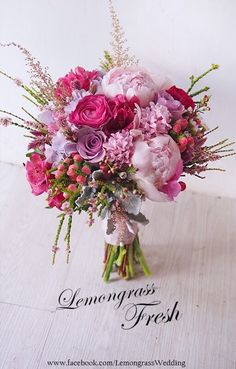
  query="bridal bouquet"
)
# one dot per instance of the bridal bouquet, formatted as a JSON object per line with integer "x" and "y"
{"x": 103, "y": 141}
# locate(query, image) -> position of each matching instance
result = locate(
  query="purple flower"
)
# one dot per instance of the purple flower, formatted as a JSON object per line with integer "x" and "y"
{"x": 89, "y": 145}
{"x": 175, "y": 107}
{"x": 56, "y": 152}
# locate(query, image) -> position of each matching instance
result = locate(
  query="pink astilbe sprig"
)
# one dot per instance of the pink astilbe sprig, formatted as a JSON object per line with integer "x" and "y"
{"x": 5, "y": 121}
{"x": 39, "y": 76}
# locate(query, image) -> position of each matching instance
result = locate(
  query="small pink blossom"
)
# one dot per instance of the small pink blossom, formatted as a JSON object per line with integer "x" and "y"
{"x": 5, "y": 121}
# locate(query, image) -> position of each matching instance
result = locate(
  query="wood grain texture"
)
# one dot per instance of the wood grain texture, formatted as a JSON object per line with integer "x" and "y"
{"x": 190, "y": 247}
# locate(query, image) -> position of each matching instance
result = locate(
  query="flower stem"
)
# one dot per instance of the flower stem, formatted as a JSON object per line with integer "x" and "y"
{"x": 140, "y": 257}
{"x": 110, "y": 262}
{"x": 200, "y": 91}
{"x": 131, "y": 260}
{"x": 194, "y": 80}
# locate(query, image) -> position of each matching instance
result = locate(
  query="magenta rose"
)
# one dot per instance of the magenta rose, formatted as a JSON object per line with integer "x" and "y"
{"x": 89, "y": 145}
{"x": 36, "y": 174}
{"x": 92, "y": 111}
{"x": 123, "y": 113}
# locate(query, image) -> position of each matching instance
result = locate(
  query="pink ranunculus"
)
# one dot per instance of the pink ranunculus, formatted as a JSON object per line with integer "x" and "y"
{"x": 158, "y": 163}
{"x": 131, "y": 81}
{"x": 36, "y": 174}
{"x": 92, "y": 111}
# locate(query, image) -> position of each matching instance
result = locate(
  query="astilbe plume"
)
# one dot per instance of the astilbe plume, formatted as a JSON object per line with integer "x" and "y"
{"x": 40, "y": 79}
{"x": 119, "y": 56}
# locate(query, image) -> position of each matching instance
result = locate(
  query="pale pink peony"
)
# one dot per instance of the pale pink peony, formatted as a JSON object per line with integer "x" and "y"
{"x": 158, "y": 162}
{"x": 130, "y": 82}
{"x": 152, "y": 120}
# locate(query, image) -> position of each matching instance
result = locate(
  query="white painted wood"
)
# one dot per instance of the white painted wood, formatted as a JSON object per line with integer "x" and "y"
{"x": 22, "y": 335}
{"x": 190, "y": 246}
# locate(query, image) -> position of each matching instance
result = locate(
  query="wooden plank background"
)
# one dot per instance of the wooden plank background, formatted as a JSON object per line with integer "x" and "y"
{"x": 190, "y": 247}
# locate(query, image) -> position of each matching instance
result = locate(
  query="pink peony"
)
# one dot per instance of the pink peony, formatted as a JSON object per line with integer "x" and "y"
{"x": 36, "y": 174}
{"x": 152, "y": 120}
{"x": 157, "y": 162}
{"x": 130, "y": 82}
{"x": 93, "y": 111}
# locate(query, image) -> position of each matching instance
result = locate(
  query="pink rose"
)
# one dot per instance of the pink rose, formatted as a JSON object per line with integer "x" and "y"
{"x": 159, "y": 165}
{"x": 131, "y": 81}
{"x": 92, "y": 110}
{"x": 36, "y": 174}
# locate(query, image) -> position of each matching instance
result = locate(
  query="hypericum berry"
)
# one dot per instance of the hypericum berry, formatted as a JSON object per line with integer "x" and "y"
{"x": 61, "y": 168}
{"x": 80, "y": 179}
{"x": 177, "y": 128}
{"x": 72, "y": 167}
{"x": 183, "y": 141}
{"x": 77, "y": 158}
{"x": 58, "y": 174}
{"x": 182, "y": 185}
{"x": 86, "y": 170}
{"x": 67, "y": 160}
{"x": 70, "y": 172}
{"x": 183, "y": 123}
{"x": 66, "y": 195}
{"x": 72, "y": 187}
{"x": 104, "y": 168}
{"x": 190, "y": 140}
